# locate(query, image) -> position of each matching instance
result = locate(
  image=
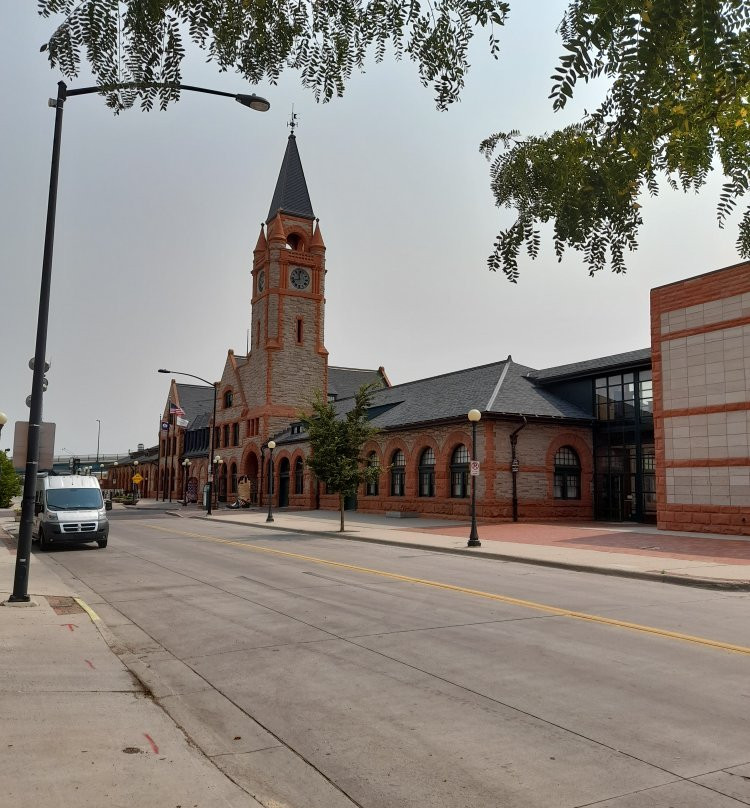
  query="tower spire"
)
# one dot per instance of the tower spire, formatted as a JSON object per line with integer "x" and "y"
{"x": 291, "y": 195}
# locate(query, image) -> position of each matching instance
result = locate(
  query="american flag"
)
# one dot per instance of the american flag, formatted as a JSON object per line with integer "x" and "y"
{"x": 175, "y": 409}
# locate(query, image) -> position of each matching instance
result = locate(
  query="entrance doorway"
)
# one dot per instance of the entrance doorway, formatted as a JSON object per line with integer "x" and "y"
{"x": 625, "y": 483}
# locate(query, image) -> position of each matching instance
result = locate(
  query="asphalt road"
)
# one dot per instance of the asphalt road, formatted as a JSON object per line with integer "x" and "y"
{"x": 321, "y": 672}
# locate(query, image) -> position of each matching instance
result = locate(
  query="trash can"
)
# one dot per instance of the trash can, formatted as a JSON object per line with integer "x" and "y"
{"x": 206, "y": 495}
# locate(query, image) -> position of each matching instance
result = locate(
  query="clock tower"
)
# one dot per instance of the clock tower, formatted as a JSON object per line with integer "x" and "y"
{"x": 288, "y": 361}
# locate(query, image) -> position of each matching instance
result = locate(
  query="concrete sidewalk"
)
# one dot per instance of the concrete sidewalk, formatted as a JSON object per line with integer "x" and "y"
{"x": 79, "y": 731}
{"x": 634, "y": 551}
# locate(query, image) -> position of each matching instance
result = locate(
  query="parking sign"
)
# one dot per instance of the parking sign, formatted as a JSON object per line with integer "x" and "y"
{"x": 474, "y": 468}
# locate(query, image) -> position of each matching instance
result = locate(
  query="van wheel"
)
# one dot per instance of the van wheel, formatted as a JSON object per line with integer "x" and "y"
{"x": 102, "y": 543}
{"x": 43, "y": 543}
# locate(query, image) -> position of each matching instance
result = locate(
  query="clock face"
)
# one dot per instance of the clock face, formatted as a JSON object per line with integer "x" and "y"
{"x": 300, "y": 278}
{"x": 261, "y": 281}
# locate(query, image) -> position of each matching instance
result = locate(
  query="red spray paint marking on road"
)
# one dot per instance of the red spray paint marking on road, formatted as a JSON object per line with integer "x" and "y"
{"x": 90, "y": 664}
{"x": 70, "y": 626}
{"x": 154, "y": 747}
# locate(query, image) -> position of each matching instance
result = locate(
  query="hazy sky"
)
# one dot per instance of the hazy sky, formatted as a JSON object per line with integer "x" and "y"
{"x": 158, "y": 214}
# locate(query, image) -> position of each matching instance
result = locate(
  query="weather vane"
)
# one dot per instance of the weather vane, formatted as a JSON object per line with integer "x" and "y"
{"x": 293, "y": 122}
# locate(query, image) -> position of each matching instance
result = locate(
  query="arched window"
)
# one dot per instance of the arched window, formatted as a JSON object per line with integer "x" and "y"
{"x": 299, "y": 476}
{"x": 398, "y": 473}
{"x": 233, "y": 479}
{"x": 228, "y": 399}
{"x": 295, "y": 242}
{"x": 371, "y": 488}
{"x": 460, "y": 472}
{"x": 427, "y": 473}
{"x": 567, "y": 474}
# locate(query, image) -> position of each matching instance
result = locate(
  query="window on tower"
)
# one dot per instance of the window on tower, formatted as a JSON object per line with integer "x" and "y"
{"x": 295, "y": 242}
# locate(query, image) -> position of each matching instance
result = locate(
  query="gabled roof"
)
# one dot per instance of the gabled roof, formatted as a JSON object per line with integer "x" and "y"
{"x": 197, "y": 400}
{"x": 344, "y": 382}
{"x": 291, "y": 195}
{"x": 501, "y": 388}
{"x": 604, "y": 364}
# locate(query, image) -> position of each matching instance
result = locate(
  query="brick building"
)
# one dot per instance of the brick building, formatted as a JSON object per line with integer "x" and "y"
{"x": 602, "y": 438}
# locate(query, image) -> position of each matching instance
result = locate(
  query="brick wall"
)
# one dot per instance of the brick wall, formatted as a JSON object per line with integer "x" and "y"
{"x": 536, "y": 447}
{"x": 700, "y": 334}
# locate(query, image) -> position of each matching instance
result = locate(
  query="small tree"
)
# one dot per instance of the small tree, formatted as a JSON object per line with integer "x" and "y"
{"x": 10, "y": 482}
{"x": 336, "y": 442}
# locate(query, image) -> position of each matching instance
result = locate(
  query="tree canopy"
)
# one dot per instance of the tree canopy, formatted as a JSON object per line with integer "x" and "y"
{"x": 10, "y": 482}
{"x": 677, "y": 75}
{"x": 336, "y": 444}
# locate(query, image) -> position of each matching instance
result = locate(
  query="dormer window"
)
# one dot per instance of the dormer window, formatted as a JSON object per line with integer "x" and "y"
{"x": 228, "y": 399}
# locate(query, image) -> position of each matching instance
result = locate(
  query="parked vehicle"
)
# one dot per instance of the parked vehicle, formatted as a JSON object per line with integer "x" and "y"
{"x": 70, "y": 509}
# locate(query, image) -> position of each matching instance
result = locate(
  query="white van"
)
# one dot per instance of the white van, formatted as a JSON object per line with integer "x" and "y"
{"x": 69, "y": 509}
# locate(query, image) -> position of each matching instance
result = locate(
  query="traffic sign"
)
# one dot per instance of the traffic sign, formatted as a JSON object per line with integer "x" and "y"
{"x": 474, "y": 468}
{"x": 137, "y": 479}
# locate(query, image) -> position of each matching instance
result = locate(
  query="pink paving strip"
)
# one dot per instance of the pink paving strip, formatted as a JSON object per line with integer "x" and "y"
{"x": 70, "y": 626}
{"x": 154, "y": 747}
{"x": 677, "y": 546}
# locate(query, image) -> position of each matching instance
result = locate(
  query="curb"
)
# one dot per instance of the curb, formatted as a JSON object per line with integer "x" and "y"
{"x": 721, "y": 584}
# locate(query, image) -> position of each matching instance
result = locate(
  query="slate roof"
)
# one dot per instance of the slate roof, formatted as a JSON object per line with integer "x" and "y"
{"x": 197, "y": 400}
{"x": 500, "y": 388}
{"x": 291, "y": 195}
{"x": 344, "y": 382}
{"x": 592, "y": 366}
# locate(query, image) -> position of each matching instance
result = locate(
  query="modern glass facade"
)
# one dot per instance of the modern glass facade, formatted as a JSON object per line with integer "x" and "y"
{"x": 624, "y": 478}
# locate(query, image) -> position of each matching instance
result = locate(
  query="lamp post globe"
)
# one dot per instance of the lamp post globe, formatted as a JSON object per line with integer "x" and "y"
{"x": 474, "y": 416}
{"x": 271, "y": 446}
{"x": 3, "y": 420}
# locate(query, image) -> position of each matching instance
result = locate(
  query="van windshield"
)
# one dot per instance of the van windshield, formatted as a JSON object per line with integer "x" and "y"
{"x": 73, "y": 499}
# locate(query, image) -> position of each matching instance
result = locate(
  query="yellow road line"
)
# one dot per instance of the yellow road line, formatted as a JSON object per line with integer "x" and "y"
{"x": 527, "y": 604}
{"x": 86, "y": 608}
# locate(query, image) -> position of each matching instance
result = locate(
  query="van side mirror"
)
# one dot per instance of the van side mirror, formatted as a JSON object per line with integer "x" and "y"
{"x": 107, "y": 504}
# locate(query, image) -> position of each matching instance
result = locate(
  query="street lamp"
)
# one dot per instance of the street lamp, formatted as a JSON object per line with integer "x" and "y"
{"x": 474, "y": 416}
{"x": 211, "y": 431}
{"x": 186, "y": 469}
{"x": 271, "y": 446}
{"x": 217, "y": 469}
{"x": 3, "y": 420}
{"x": 98, "y": 434}
{"x": 135, "y": 471}
{"x": 23, "y": 553}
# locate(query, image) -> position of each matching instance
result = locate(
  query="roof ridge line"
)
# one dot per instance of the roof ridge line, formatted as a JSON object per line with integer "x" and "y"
{"x": 447, "y": 373}
{"x": 496, "y": 391}
{"x": 341, "y": 367}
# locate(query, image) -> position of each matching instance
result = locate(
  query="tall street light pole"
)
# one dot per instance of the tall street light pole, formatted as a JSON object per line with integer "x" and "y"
{"x": 23, "y": 553}
{"x": 98, "y": 435}
{"x": 474, "y": 416}
{"x": 271, "y": 446}
{"x": 212, "y": 430}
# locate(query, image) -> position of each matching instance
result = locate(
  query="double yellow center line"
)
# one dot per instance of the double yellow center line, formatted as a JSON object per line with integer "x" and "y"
{"x": 526, "y": 604}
